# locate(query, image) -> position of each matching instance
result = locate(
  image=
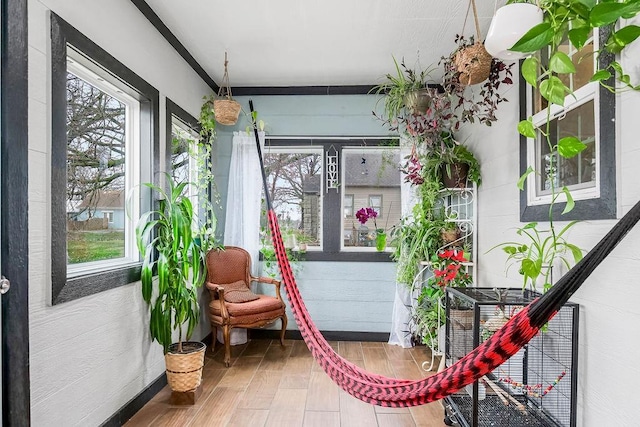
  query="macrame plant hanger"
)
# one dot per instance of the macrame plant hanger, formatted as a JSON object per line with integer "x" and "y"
{"x": 504, "y": 343}
{"x": 226, "y": 110}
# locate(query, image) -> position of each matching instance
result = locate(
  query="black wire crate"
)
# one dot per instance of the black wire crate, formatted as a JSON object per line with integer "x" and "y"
{"x": 535, "y": 387}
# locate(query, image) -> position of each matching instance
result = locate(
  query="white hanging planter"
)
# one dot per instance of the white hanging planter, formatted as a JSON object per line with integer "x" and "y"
{"x": 508, "y": 25}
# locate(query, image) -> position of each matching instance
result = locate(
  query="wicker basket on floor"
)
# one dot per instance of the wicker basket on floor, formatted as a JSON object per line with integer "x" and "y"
{"x": 184, "y": 370}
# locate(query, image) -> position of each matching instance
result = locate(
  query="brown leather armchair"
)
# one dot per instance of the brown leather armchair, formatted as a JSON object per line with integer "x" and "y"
{"x": 233, "y": 304}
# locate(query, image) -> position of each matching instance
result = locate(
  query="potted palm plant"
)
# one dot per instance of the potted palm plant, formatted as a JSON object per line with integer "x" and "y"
{"x": 169, "y": 246}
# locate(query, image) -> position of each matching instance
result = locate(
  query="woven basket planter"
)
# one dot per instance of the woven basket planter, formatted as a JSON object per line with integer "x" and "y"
{"x": 184, "y": 370}
{"x": 226, "y": 111}
{"x": 474, "y": 64}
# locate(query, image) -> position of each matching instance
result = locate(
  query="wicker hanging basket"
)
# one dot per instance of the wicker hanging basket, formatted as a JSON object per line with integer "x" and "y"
{"x": 473, "y": 62}
{"x": 184, "y": 370}
{"x": 226, "y": 110}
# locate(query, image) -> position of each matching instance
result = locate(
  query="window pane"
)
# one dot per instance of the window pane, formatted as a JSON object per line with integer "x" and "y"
{"x": 348, "y": 205}
{"x": 96, "y": 130}
{"x": 181, "y": 144}
{"x": 375, "y": 203}
{"x": 576, "y": 172}
{"x": 371, "y": 179}
{"x": 295, "y": 183}
{"x": 583, "y": 60}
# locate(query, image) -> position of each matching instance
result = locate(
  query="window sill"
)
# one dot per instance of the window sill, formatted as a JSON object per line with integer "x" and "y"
{"x": 88, "y": 284}
{"x": 348, "y": 256}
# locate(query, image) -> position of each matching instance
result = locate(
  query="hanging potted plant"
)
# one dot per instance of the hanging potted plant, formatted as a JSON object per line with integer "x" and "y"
{"x": 225, "y": 108}
{"x": 509, "y": 24}
{"x": 405, "y": 93}
{"x": 168, "y": 245}
{"x": 472, "y": 61}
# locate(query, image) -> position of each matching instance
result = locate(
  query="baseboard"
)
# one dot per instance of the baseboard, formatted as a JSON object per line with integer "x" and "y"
{"x": 134, "y": 405}
{"x": 329, "y": 335}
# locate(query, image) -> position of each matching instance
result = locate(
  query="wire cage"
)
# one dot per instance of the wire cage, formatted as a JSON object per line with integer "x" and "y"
{"x": 536, "y": 387}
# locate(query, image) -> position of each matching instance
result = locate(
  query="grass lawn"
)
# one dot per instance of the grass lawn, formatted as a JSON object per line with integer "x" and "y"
{"x": 85, "y": 246}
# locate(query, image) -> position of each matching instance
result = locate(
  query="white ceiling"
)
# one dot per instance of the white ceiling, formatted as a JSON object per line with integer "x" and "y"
{"x": 317, "y": 42}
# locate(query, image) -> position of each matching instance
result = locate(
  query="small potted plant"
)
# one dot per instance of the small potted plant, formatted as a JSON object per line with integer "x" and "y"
{"x": 452, "y": 162}
{"x": 365, "y": 214}
{"x": 448, "y": 270}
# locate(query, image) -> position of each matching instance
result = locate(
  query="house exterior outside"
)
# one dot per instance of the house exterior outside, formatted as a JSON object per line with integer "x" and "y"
{"x": 108, "y": 205}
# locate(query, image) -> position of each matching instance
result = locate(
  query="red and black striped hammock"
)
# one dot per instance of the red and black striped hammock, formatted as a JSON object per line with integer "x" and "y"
{"x": 507, "y": 341}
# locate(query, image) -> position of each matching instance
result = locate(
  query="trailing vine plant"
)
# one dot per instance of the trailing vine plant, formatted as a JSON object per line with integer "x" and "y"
{"x": 575, "y": 21}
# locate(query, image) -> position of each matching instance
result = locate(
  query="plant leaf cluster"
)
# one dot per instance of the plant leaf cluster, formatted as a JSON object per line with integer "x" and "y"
{"x": 169, "y": 247}
{"x": 575, "y": 21}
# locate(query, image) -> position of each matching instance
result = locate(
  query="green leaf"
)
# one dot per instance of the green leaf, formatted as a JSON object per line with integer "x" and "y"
{"x": 535, "y": 39}
{"x": 587, "y": 3}
{"x": 523, "y": 178}
{"x": 530, "y": 70}
{"x": 526, "y": 128}
{"x": 579, "y": 36}
{"x": 561, "y": 63}
{"x": 606, "y": 13}
{"x": 600, "y": 76}
{"x": 530, "y": 226}
{"x": 511, "y": 250}
{"x": 553, "y": 90}
{"x": 570, "y": 203}
{"x": 575, "y": 251}
{"x": 531, "y": 268}
{"x": 619, "y": 39}
{"x": 570, "y": 146}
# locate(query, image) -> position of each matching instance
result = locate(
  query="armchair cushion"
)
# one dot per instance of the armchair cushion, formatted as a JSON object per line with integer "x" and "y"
{"x": 238, "y": 292}
{"x": 264, "y": 303}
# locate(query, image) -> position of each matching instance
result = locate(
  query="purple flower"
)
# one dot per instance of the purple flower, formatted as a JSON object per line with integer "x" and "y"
{"x": 365, "y": 214}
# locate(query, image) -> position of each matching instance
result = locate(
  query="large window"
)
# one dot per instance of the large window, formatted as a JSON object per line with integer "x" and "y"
{"x": 294, "y": 176}
{"x": 588, "y": 114}
{"x": 102, "y": 168}
{"x": 372, "y": 176}
{"x": 312, "y": 210}
{"x": 104, "y": 133}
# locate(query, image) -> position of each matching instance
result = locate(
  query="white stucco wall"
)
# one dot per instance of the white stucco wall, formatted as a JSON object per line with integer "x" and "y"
{"x": 89, "y": 357}
{"x": 609, "y": 309}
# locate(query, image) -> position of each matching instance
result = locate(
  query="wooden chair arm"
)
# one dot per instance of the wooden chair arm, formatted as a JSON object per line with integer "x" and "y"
{"x": 219, "y": 291}
{"x": 270, "y": 280}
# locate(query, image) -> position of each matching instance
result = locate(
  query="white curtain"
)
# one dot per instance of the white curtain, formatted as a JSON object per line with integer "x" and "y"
{"x": 404, "y": 297}
{"x": 242, "y": 223}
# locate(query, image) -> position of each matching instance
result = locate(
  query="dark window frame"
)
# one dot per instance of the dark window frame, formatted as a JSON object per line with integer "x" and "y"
{"x": 332, "y": 201}
{"x": 64, "y": 289}
{"x": 605, "y": 206}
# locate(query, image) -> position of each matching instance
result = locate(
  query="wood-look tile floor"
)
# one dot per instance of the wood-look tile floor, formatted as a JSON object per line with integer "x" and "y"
{"x": 274, "y": 386}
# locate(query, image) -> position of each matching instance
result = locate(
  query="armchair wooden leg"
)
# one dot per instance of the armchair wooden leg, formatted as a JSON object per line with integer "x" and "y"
{"x": 214, "y": 340}
{"x": 226, "y": 332}
{"x": 283, "y": 320}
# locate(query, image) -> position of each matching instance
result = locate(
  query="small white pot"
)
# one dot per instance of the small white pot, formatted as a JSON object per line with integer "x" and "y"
{"x": 509, "y": 24}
